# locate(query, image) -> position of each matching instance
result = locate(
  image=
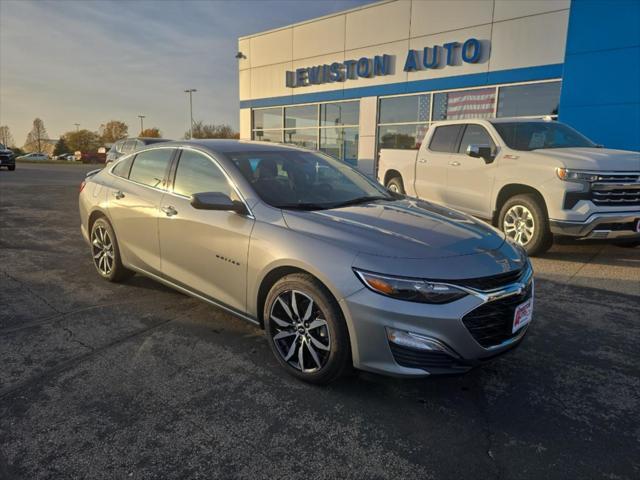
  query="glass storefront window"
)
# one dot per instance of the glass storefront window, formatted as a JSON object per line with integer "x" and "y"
{"x": 339, "y": 113}
{"x": 403, "y": 137}
{"x": 307, "y": 138}
{"x": 478, "y": 103}
{"x": 529, "y": 100}
{"x": 340, "y": 143}
{"x": 301, "y": 116}
{"x": 413, "y": 108}
{"x": 267, "y": 118}
{"x": 268, "y": 135}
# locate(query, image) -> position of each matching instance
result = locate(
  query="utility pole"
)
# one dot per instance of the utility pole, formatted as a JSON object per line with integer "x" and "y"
{"x": 142, "y": 117}
{"x": 77, "y": 127}
{"x": 190, "y": 92}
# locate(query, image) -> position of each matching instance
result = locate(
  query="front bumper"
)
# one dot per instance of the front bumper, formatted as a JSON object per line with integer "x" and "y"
{"x": 370, "y": 316}
{"x": 616, "y": 225}
{"x": 7, "y": 161}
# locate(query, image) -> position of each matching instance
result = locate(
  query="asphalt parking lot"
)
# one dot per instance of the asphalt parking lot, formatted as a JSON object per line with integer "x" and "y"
{"x": 138, "y": 381}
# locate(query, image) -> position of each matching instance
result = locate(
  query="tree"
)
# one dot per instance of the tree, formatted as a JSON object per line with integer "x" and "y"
{"x": 83, "y": 141}
{"x": 6, "y": 138}
{"x": 61, "y": 147}
{"x": 151, "y": 133}
{"x": 37, "y": 137}
{"x": 202, "y": 130}
{"x": 113, "y": 131}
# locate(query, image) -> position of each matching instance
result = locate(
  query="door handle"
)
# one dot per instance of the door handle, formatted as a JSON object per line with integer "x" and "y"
{"x": 169, "y": 211}
{"x": 454, "y": 164}
{"x": 118, "y": 195}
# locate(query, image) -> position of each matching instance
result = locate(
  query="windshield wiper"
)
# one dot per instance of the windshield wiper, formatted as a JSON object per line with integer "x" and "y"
{"x": 357, "y": 200}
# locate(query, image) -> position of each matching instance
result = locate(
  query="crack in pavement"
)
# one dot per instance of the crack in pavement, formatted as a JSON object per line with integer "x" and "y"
{"x": 76, "y": 360}
{"x": 30, "y": 290}
{"x": 60, "y": 316}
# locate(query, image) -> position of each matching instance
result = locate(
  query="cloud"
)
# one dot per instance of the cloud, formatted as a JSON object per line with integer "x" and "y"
{"x": 89, "y": 62}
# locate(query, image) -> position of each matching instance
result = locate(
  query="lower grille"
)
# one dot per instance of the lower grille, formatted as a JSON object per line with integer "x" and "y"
{"x": 424, "y": 359}
{"x": 622, "y": 197}
{"x": 491, "y": 324}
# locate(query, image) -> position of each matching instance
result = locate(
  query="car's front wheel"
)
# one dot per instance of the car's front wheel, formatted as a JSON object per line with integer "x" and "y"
{"x": 524, "y": 220}
{"x": 106, "y": 253}
{"x": 395, "y": 185}
{"x": 306, "y": 330}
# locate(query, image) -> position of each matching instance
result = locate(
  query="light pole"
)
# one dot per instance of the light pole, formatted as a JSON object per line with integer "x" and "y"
{"x": 190, "y": 92}
{"x": 77, "y": 127}
{"x": 142, "y": 117}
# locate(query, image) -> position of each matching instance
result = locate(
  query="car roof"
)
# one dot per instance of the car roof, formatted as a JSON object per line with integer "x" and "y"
{"x": 228, "y": 146}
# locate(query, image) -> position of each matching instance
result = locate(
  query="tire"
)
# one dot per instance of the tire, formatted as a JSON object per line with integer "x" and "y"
{"x": 524, "y": 219}
{"x": 11, "y": 168}
{"x": 326, "y": 351}
{"x": 106, "y": 253}
{"x": 396, "y": 185}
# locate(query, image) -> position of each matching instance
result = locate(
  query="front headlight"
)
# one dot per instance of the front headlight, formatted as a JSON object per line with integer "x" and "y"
{"x": 411, "y": 290}
{"x": 569, "y": 175}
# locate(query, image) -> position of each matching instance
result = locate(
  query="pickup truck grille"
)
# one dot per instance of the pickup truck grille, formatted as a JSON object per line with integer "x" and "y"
{"x": 618, "y": 177}
{"x": 617, "y": 197}
{"x": 613, "y": 189}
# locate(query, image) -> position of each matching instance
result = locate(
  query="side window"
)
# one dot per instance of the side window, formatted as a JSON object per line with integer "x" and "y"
{"x": 475, "y": 135}
{"x": 197, "y": 173}
{"x": 123, "y": 167}
{"x": 127, "y": 146}
{"x": 149, "y": 167}
{"x": 444, "y": 138}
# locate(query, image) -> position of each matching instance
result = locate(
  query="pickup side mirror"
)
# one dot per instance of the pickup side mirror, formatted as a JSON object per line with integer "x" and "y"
{"x": 217, "y": 201}
{"x": 480, "y": 151}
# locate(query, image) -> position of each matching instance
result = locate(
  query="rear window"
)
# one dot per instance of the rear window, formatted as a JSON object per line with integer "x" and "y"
{"x": 123, "y": 167}
{"x": 149, "y": 168}
{"x": 445, "y": 138}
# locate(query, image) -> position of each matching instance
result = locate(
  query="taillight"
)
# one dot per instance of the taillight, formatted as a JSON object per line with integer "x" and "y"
{"x": 82, "y": 186}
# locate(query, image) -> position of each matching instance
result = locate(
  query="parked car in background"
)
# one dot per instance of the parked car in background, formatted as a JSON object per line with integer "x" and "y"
{"x": 530, "y": 178}
{"x": 338, "y": 271}
{"x": 65, "y": 156}
{"x": 7, "y": 158}
{"x": 128, "y": 145}
{"x": 34, "y": 156}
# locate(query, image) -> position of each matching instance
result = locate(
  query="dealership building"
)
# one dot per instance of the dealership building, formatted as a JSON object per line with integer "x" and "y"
{"x": 376, "y": 76}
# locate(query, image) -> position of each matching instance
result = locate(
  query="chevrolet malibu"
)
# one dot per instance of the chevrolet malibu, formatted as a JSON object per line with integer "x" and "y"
{"x": 339, "y": 272}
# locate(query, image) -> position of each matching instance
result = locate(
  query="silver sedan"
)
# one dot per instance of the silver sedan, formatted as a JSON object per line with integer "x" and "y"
{"x": 339, "y": 272}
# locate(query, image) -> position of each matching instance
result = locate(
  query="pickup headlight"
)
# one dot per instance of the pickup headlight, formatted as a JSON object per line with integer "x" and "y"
{"x": 411, "y": 290}
{"x": 569, "y": 175}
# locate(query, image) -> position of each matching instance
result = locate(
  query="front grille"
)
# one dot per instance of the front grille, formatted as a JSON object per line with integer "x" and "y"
{"x": 491, "y": 323}
{"x": 618, "y": 177}
{"x": 493, "y": 282}
{"x": 618, "y": 197}
{"x": 424, "y": 359}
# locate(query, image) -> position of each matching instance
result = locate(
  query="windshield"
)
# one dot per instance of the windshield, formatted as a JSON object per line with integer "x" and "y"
{"x": 305, "y": 180}
{"x": 538, "y": 135}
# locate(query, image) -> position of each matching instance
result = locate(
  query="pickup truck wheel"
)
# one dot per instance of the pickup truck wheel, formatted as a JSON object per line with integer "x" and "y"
{"x": 524, "y": 220}
{"x": 395, "y": 185}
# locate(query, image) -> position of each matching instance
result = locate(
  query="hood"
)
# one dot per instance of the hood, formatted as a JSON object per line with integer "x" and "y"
{"x": 593, "y": 158}
{"x": 400, "y": 229}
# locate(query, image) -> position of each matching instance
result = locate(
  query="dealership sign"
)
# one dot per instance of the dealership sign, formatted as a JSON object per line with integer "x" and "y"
{"x": 438, "y": 56}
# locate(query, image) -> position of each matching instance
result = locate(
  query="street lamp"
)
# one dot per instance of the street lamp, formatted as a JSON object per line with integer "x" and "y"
{"x": 190, "y": 92}
{"x": 142, "y": 117}
{"x": 77, "y": 127}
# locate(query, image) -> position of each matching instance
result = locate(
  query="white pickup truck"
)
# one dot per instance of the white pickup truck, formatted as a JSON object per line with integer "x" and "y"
{"x": 530, "y": 178}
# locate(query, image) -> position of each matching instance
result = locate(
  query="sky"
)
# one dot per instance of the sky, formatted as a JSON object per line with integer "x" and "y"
{"x": 88, "y": 62}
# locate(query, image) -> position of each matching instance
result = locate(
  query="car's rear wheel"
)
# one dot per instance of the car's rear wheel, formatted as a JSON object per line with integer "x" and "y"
{"x": 11, "y": 168}
{"x": 306, "y": 330}
{"x": 395, "y": 185}
{"x": 524, "y": 220}
{"x": 105, "y": 252}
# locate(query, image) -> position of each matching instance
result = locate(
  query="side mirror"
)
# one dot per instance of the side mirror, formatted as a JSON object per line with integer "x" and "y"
{"x": 217, "y": 201}
{"x": 480, "y": 151}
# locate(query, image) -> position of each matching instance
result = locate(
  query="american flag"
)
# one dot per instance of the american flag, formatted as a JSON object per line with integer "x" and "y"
{"x": 423, "y": 108}
{"x": 471, "y": 104}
